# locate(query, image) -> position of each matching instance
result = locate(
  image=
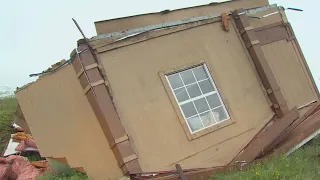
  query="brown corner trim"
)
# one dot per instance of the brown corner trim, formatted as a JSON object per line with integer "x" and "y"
{"x": 94, "y": 86}
{"x": 130, "y": 158}
{"x": 269, "y": 26}
{"x": 85, "y": 90}
{"x": 121, "y": 139}
{"x": 80, "y": 73}
{"x": 91, "y": 66}
{"x": 272, "y": 32}
{"x": 252, "y": 42}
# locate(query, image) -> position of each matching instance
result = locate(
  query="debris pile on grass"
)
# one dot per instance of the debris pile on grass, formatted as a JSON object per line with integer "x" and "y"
{"x": 19, "y": 168}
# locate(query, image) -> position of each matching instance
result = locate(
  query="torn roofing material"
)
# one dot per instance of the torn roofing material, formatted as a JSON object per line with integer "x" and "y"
{"x": 175, "y": 23}
{"x": 58, "y": 65}
{"x": 143, "y": 20}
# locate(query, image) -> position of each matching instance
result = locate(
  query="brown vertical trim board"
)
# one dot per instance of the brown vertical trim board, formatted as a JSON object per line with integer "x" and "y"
{"x": 92, "y": 82}
{"x": 248, "y": 34}
{"x": 271, "y": 33}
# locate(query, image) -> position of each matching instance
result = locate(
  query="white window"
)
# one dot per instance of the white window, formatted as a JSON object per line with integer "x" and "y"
{"x": 198, "y": 98}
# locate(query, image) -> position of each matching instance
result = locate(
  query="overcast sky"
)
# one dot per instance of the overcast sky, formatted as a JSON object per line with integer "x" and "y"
{"x": 38, "y": 33}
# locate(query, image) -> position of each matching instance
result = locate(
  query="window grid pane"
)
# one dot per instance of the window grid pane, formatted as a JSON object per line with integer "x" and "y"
{"x": 198, "y": 114}
{"x": 187, "y": 77}
{"x": 184, "y": 85}
{"x": 205, "y": 118}
{"x": 192, "y": 83}
{"x": 205, "y": 76}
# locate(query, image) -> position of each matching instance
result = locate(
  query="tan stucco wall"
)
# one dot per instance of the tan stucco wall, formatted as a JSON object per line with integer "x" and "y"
{"x": 290, "y": 73}
{"x": 148, "y": 115}
{"x": 121, "y": 24}
{"x": 64, "y": 125}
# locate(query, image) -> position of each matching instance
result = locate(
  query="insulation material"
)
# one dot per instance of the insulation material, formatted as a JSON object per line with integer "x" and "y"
{"x": 19, "y": 168}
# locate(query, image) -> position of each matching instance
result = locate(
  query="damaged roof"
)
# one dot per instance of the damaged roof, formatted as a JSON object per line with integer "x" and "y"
{"x": 131, "y": 22}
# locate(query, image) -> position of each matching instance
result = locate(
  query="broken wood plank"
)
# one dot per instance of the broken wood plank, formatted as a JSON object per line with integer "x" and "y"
{"x": 266, "y": 137}
{"x": 289, "y": 129}
{"x": 304, "y": 130}
{"x": 309, "y": 138}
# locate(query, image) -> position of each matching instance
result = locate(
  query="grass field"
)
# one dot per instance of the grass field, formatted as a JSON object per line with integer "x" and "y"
{"x": 71, "y": 176}
{"x": 8, "y": 105}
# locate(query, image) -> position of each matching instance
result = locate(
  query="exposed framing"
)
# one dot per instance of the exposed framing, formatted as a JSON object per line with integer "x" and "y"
{"x": 178, "y": 110}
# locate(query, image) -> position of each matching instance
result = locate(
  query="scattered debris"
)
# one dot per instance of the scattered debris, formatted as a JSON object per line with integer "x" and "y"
{"x": 18, "y": 143}
{"x": 19, "y": 168}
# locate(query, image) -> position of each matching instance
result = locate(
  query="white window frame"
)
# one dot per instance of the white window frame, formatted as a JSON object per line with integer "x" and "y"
{"x": 216, "y": 91}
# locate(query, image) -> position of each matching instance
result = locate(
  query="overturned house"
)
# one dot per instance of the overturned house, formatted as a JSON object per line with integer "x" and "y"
{"x": 194, "y": 87}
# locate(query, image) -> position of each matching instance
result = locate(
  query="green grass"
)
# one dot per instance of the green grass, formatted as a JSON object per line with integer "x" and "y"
{"x": 302, "y": 164}
{"x": 71, "y": 176}
{"x": 8, "y": 106}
